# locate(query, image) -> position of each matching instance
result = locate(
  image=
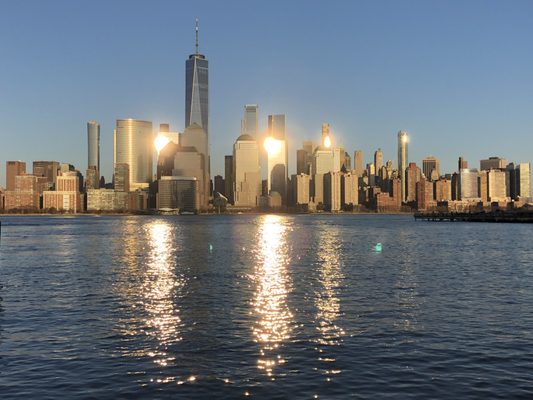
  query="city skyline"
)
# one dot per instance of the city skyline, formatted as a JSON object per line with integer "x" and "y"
{"x": 503, "y": 129}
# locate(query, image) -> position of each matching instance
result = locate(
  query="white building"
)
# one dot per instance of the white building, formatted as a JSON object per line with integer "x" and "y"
{"x": 247, "y": 172}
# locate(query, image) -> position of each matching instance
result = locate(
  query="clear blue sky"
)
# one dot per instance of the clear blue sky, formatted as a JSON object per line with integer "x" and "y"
{"x": 458, "y": 75}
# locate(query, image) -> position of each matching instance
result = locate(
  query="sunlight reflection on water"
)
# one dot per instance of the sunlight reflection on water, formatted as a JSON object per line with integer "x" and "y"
{"x": 327, "y": 299}
{"x": 273, "y": 324}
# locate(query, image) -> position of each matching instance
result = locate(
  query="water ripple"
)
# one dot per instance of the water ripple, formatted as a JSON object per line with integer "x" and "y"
{"x": 265, "y": 306}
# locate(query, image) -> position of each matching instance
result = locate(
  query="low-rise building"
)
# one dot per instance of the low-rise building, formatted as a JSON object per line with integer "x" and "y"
{"x": 107, "y": 200}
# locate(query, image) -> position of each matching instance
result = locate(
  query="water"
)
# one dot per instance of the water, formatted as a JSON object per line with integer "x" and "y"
{"x": 266, "y": 306}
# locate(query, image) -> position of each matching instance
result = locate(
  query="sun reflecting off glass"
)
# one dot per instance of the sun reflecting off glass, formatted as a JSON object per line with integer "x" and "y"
{"x": 273, "y": 325}
{"x": 160, "y": 142}
{"x": 327, "y": 299}
{"x": 272, "y": 146}
{"x": 327, "y": 142}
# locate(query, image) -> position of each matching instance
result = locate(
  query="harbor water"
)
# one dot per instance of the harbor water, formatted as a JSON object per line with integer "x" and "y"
{"x": 264, "y": 306}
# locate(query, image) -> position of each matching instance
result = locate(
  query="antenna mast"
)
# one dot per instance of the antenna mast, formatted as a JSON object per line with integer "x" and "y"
{"x": 197, "y": 36}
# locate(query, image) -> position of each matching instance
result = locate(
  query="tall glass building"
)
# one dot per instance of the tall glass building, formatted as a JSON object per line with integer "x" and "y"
{"x": 93, "y": 144}
{"x": 197, "y": 89}
{"x": 134, "y": 145}
{"x": 403, "y": 139}
{"x": 250, "y": 123}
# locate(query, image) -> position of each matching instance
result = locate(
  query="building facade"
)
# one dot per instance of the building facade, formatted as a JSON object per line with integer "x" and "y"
{"x": 250, "y": 121}
{"x": 247, "y": 172}
{"x": 134, "y": 145}
{"x": 430, "y": 164}
{"x": 178, "y": 193}
{"x": 93, "y": 145}
{"x": 14, "y": 169}
{"x": 403, "y": 159}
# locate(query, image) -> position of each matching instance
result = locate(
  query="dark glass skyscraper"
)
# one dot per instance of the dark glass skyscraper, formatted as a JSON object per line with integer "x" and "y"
{"x": 197, "y": 89}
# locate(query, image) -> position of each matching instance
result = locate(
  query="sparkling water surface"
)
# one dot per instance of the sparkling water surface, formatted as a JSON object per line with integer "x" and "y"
{"x": 268, "y": 306}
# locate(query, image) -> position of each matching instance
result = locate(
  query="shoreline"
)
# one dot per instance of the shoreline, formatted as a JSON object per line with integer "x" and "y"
{"x": 199, "y": 215}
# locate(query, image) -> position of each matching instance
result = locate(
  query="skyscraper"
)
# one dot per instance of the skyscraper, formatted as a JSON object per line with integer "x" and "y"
{"x": 413, "y": 176}
{"x": 403, "y": 139}
{"x": 197, "y": 89}
{"x": 93, "y": 145}
{"x": 429, "y": 164}
{"x": 48, "y": 169}
{"x": 304, "y": 158}
{"x": 13, "y": 169}
{"x": 246, "y": 171}
{"x": 492, "y": 163}
{"x": 192, "y": 159}
{"x": 378, "y": 160}
{"x": 277, "y": 156}
{"x": 523, "y": 181}
{"x": 468, "y": 188}
{"x": 519, "y": 181}
{"x": 276, "y": 126}
{"x": 249, "y": 123}
{"x": 134, "y": 145}
{"x": 229, "y": 179}
{"x": 358, "y": 162}
{"x": 462, "y": 164}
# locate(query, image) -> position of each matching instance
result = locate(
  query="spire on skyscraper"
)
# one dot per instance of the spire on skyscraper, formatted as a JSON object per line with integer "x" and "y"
{"x": 197, "y": 36}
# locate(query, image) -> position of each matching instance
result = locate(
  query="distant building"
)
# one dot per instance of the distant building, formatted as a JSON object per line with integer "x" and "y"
{"x": 276, "y": 126}
{"x": 133, "y": 145}
{"x": 277, "y": 156}
{"x": 192, "y": 159}
{"x": 332, "y": 191}
{"x": 443, "y": 190}
{"x": 522, "y": 181}
{"x": 424, "y": 194}
{"x": 92, "y": 180}
{"x": 107, "y": 200}
{"x": 165, "y": 159}
{"x": 247, "y": 172}
{"x": 14, "y": 169}
{"x": 492, "y": 163}
{"x": 317, "y": 188}
{"x": 25, "y": 196}
{"x": 66, "y": 197}
{"x": 304, "y": 158}
{"x": 358, "y": 162}
{"x": 391, "y": 201}
{"x": 468, "y": 185}
{"x": 121, "y": 177}
{"x": 462, "y": 164}
{"x": 178, "y": 193}
{"x": 497, "y": 190}
{"x": 429, "y": 165}
{"x": 197, "y": 91}
{"x": 93, "y": 145}
{"x": 378, "y": 160}
{"x": 403, "y": 160}
{"x": 250, "y": 121}
{"x": 413, "y": 176}
{"x": 220, "y": 185}
{"x": 48, "y": 169}
{"x": 301, "y": 190}
{"x": 347, "y": 162}
{"x": 229, "y": 179}
{"x": 349, "y": 189}
{"x": 322, "y": 160}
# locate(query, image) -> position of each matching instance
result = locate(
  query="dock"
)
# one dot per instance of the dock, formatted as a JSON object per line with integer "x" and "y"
{"x": 515, "y": 216}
